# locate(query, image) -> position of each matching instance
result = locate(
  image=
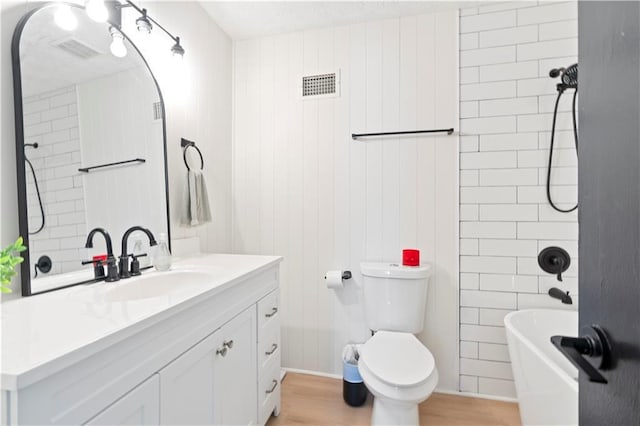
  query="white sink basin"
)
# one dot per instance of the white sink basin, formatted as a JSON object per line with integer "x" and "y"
{"x": 155, "y": 285}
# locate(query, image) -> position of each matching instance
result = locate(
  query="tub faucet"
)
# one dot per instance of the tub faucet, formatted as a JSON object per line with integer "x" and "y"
{"x": 556, "y": 293}
{"x": 124, "y": 256}
{"x": 112, "y": 268}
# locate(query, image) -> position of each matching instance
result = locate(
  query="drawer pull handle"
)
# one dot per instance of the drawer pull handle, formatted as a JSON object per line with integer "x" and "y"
{"x": 273, "y": 312}
{"x": 228, "y": 344}
{"x": 222, "y": 352}
{"x": 275, "y": 385}
{"x": 273, "y": 349}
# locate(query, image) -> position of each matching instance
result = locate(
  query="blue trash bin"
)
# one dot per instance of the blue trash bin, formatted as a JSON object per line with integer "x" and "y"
{"x": 354, "y": 391}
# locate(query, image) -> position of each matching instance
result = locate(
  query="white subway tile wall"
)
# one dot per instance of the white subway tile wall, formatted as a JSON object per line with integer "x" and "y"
{"x": 51, "y": 121}
{"x": 506, "y": 106}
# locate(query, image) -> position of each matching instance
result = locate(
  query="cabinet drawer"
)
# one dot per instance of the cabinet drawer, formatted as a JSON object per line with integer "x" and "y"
{"x": 268, "y": 393}
{"x": 268, "y": 308}
{"x": 269, "y": 349}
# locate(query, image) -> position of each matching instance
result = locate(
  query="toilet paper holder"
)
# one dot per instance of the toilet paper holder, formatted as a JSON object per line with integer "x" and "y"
{"x": 346, "y": 275}
{"x": 336, "y": 279}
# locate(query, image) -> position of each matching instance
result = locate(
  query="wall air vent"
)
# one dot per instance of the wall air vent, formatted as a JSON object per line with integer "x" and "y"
{"x": 321, "y": 85}
{"x": 77, "y": 48}
{"x": 157, "y": 110}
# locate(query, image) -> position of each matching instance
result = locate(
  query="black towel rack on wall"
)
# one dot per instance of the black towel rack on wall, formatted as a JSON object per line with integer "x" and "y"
{"x": 186, "y": 144}
{"x": 117, "y": 163}
{"x": 409, "y": 132}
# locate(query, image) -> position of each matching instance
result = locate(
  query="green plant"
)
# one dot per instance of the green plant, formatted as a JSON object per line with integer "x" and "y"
{"x": 9, "y": 258}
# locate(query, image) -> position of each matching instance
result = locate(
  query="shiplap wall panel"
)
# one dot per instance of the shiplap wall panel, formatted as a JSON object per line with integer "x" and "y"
{"x": 445, "y": 294}
{"x": 310, "y": 139}
{"x": 341, "y": 253}
{"x": 332, "y": 202}
{"x": 325, "y": 145}
{"x": 390, "y": 153}
{"x": 408, "y": 146}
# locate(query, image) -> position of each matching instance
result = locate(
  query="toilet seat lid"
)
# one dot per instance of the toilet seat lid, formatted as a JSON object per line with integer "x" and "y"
{"x": 399, "y": 359}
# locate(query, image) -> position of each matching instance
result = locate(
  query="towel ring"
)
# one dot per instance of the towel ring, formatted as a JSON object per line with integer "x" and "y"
{"x": 186, "y": 144}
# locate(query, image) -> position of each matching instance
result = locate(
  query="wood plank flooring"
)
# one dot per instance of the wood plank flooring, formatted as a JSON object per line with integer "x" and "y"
{"x": 314, "y": 400}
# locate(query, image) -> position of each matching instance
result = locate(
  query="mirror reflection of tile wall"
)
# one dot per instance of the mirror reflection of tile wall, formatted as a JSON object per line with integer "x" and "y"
{"x": 51, "y": 121}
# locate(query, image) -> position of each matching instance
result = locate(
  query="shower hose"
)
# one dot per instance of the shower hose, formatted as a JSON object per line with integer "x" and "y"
{"x": 35, "y": 181}
{"x": 575, "y": 139}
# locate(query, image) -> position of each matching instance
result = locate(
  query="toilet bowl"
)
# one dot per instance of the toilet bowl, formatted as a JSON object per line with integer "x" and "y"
{"x": 400, "y": 372}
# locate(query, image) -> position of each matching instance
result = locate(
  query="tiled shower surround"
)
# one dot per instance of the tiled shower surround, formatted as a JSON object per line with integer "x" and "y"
{"x": 506, "y": 106}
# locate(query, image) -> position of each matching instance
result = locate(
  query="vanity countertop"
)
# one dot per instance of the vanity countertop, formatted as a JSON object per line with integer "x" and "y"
{"x": 45, "y": 333}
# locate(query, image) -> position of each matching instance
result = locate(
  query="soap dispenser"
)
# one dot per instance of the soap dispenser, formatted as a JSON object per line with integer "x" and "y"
{"x": 162, "y": 259}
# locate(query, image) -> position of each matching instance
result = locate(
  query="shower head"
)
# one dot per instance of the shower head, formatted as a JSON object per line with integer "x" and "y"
{"x": 33, "y": 145}
{"x": 555, "y": 72}
{"x": 568, "y": 77}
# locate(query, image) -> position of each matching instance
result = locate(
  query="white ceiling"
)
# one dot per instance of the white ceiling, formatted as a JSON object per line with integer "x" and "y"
{"x": 251, "y": 19}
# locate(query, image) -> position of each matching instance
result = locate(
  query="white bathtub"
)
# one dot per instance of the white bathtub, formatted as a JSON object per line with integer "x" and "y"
{"x": 546, "y": 382}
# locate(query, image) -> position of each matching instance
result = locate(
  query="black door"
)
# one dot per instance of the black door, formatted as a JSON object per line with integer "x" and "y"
{"x": 609, "y": 200}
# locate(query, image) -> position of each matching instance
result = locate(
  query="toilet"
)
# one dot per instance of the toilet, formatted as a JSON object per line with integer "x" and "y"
{"x": 396, "y": 367}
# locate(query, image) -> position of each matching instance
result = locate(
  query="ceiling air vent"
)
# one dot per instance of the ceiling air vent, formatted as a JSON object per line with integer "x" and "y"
{"x": 320, "y": 85}
{"x": 77, "y": 48}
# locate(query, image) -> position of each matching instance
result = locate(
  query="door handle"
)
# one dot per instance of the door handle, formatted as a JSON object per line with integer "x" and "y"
{"x": 594, "y": 345}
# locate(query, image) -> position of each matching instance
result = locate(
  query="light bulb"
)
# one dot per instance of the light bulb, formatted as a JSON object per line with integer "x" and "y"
{"x": 97, "y": 10}
{"x": 65, "y": 18}
{"x": 117, "y": 46}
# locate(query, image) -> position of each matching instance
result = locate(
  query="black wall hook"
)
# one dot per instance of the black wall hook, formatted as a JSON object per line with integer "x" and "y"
{"x": 186, "y": 144}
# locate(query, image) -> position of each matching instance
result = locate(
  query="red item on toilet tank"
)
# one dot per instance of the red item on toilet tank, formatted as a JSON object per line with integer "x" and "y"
{"x": 411, "y": 257}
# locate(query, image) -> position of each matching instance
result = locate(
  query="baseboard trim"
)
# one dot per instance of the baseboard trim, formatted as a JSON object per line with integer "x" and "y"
{"x": 312, "y": 373}
{"x": 476, "y": 395}
{"x": 437, "y": 390}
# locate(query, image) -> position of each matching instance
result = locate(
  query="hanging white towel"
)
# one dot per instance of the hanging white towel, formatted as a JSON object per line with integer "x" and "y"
{"x": 196, "y": 210}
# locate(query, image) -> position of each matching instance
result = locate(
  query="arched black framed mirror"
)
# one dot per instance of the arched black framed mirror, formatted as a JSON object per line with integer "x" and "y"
{"x": 90, "y": 144}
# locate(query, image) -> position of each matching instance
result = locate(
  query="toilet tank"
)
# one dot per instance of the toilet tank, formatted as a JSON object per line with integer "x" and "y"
{"x": 395, "y": 296}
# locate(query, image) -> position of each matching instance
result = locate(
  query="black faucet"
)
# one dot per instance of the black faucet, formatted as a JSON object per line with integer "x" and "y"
{"x": 112, "y": 269}
{"x": 556, "y": 293}
{"x": 124, "y": 256}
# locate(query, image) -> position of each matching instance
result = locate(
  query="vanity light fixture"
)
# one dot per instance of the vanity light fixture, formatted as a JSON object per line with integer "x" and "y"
{"x": 65, "y": 18}
{"x": 117, "y": 46}
{"x": 143, "y": 24}
{"x": 177, "y": 50}
{"x": 111, "y": 12}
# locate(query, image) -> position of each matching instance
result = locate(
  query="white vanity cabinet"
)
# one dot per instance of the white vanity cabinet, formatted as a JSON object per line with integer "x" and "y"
{"x": 138, "y": 407}
{"x": 210, "y": 355}
{"x": 268, "y": 356}
{"x": 214, "y": 381}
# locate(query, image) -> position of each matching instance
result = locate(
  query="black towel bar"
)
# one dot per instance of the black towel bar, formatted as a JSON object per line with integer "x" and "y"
{"x": 410, "y": 132}
{"x": 117, "y": 163}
